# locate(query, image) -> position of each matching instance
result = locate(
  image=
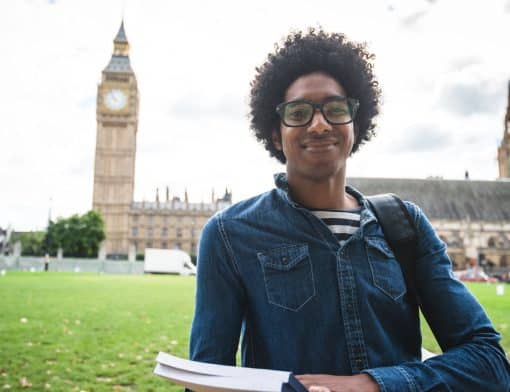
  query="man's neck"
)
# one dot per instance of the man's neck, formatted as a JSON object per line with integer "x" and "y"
{"x": 327, "y": 194}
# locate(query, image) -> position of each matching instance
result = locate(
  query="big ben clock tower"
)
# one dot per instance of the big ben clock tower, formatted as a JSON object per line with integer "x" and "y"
{"x": 117, "y": 123}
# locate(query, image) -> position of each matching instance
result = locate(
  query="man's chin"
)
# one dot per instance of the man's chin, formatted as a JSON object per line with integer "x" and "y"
{"x": 322, "y": 172}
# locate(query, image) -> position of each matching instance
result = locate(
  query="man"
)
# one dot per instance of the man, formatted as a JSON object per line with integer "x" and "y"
{"x": 304, "y": 272}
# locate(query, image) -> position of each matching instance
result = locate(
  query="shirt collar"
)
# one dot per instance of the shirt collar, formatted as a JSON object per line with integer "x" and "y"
{"x": 282, "y": 187}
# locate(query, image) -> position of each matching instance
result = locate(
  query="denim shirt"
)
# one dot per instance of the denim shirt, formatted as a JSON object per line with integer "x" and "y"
{"x": 272, "y": 272}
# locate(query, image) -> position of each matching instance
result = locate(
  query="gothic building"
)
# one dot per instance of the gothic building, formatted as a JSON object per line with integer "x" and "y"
{"x": 132, "y": 226}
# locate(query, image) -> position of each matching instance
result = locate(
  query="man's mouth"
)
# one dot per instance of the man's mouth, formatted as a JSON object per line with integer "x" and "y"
{"x": 319, "y": 144}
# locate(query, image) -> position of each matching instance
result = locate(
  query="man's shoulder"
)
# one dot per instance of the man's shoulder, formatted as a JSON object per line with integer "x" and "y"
{"x": 252, "y": 210}
{"x": 251, "y": 207}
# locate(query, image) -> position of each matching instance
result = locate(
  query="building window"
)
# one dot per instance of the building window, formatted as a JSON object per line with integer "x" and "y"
{"x": 179, "y": 233}
{"x": 165, "y": 219}
{"x": 149, "y": 232}
{"x": 134, "y": 231}
{"x": 135, "y": 218}
{"x": 164, "y": 245}
{"x": 150, "y": 219}
{"x": 164, "y": 232}
{"x": 178, "y": 245}
{"x": 148, "y": 244}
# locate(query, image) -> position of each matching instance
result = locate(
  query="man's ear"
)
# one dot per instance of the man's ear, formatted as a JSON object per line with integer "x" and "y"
{"x": 276, "y": 138}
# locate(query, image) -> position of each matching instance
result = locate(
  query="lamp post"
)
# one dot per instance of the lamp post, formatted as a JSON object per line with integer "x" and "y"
{"x": 47, "y": 255}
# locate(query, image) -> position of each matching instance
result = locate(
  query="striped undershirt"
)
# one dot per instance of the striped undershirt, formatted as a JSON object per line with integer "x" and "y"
{"x": 341, "y": 223}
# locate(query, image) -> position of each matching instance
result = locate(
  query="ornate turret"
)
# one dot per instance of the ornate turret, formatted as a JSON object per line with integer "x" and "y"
{"x": 504, "y": 147}
{"x": 227, "y": 197}
{"x": 120, "y": 58}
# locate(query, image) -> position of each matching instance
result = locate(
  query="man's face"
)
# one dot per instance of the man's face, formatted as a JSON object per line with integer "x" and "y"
{"x": 317, "y": 151}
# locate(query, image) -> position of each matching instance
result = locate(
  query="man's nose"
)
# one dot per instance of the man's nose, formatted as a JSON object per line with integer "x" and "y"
{"x": 319, "y": 124}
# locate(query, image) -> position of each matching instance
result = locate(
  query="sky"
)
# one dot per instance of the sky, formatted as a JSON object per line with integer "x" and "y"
{"x": 443, "y": 67}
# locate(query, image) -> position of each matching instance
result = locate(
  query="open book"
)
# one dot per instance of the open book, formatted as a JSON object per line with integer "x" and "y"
{"x": 206, "y": 377}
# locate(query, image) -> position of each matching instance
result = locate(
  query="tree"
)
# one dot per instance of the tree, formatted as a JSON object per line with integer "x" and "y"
{"x": 78, "y": 235}
{"x": 32, "y": 242}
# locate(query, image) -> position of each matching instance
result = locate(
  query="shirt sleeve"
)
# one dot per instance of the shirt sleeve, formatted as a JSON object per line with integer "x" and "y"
{"x": 472, "y": 358}
{"x": 219, "y": 302}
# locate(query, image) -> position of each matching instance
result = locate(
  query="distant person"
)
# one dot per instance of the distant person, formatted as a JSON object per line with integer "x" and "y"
{"x": 46, "y": 262}
{"x": 304, "y": 272}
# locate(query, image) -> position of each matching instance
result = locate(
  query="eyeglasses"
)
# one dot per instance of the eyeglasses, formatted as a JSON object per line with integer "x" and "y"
{"x": 336, "y": 111}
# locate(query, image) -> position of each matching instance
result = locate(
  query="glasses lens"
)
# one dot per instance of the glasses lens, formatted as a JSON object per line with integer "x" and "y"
{"x": 338, "y": 111}
{"x": 297, "y": 113}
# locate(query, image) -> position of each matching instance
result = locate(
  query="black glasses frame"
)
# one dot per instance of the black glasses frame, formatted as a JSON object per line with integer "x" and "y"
{"x": 352, "y": 103}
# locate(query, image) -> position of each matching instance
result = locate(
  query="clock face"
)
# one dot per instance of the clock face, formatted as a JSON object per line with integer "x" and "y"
{"x": 115, "y": 99}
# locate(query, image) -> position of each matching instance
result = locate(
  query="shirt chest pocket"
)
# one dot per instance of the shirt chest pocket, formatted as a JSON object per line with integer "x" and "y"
{"x": 288, "y": 276}
{"x": 385, "y": 268}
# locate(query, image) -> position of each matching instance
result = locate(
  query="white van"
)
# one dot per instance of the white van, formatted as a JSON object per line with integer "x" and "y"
{"x": 168, "y": 261}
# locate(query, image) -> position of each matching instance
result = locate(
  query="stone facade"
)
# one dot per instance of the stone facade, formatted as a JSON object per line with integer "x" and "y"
{"x": 171, "y": 224}
{"x": 482, "y": 240}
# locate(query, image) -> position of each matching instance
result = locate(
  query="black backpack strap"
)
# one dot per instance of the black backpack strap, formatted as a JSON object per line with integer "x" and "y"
{"x": 400, "y": 232}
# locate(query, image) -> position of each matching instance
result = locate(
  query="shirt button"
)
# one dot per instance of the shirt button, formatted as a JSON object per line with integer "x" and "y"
{"x": 284, "y": 260}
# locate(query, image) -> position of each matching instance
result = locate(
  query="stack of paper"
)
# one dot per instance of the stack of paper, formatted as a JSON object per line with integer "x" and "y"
{"x": 206, "y": 377}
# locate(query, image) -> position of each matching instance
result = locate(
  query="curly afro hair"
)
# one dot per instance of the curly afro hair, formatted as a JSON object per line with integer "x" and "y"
{"x": 349, "y": 63}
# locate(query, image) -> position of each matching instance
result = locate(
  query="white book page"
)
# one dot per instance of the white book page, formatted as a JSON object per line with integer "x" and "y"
{"x": 210, "y": 383}
{"x": 218, "y": 370}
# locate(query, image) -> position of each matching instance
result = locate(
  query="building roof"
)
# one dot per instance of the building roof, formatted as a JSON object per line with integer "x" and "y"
{"x": 119, "y": 64}
{"x": 121, "y": 35}
{"x": 446, "y": 199}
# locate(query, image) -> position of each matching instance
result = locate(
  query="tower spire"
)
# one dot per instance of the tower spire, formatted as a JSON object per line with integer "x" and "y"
{"x": 121, "y": 35}
{"x": 120, "y": 42}
{"x": 120, "y": 59}
{"x": 507, "y": 116}
{"x": 504, "y": 147}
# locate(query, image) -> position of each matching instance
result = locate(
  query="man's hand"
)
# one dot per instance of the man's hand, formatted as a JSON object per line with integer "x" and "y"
{"x": 328, "y": 383}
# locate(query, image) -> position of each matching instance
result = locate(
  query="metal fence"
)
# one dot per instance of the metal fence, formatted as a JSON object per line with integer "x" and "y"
{"x": 71, "y": 265}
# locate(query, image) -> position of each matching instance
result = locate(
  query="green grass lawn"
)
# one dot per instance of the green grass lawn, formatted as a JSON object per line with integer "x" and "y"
{"x": 84, "y": 332}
